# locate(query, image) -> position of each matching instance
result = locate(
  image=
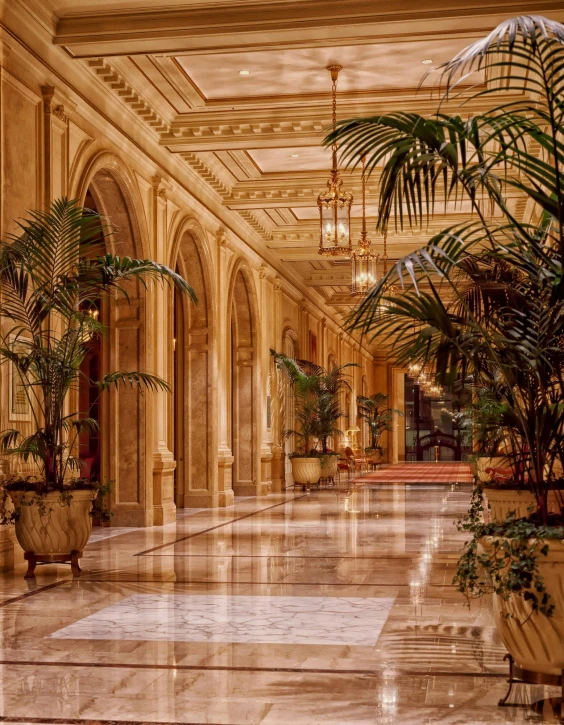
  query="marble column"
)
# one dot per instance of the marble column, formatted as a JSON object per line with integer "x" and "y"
{"x": 164, "y": 508}
{"x": 224, "y": 453}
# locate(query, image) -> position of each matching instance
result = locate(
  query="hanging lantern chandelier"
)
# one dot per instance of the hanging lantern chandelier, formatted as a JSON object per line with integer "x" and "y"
{"x": 335, "y": 204}
{"x": 389, "y": 290}
{"x": 364, "y": 260}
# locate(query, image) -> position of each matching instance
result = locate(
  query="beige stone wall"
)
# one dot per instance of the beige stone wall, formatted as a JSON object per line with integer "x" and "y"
{"x": 63, "y": 133}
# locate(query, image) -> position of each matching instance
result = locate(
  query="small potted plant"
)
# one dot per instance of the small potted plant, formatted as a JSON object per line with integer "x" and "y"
{"x": 331, "y": 384}
{"x": 316, "y": 412}
{"x": 306, "y": 464}
{"x": 379, "y": 417}
{"x": 54, "y": 275}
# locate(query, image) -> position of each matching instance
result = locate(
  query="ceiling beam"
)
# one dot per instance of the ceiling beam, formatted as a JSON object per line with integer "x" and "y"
{"x": 281, "y": 24}
{"x": 298, "y": 124}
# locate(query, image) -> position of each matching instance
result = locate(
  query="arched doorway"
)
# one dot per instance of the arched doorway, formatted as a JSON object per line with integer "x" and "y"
{"x": 124, "y": 446}
{"x": 194, "y": 426}
{"x": 243, "y": 414}
{"x": 90, "y": 442}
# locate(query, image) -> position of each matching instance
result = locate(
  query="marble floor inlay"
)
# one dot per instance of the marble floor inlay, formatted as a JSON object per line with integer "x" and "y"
{"x": 224, "y": 618}
{"x": 334, "y": 607}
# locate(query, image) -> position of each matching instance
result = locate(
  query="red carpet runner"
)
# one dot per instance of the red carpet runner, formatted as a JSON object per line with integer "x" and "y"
{"x": 420, "y": 473}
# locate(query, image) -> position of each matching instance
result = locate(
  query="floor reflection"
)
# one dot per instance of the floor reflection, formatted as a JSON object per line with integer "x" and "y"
{"x": 331, "y": 607}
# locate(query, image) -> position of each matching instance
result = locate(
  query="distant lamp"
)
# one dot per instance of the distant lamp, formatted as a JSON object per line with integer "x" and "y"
{"x": 351, "y": 432}
{"x": 335, "y": 204}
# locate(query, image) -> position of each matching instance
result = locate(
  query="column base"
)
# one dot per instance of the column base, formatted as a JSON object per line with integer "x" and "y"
{"x": 266, "y": 468}
{"x": 11, "y": 553}
{"x": 165, "y": 514}
{"x": 251, "y": 489}
{"x": 128, "y": 516}
{"x": 226, "y": 498}
{"x": 225, "y": 476}
{"x": 199, "y": 500}
{"x": 164, "y": 508}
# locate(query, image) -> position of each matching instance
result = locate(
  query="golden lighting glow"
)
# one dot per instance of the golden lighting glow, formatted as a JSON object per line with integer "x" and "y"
{"x": 335, "y": 204}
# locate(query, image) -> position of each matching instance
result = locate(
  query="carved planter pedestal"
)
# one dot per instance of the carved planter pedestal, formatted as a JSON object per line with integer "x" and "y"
{"x": 58, "y": 533}
{"x": 536, "y": 647}
{"x": 503, "y": 501}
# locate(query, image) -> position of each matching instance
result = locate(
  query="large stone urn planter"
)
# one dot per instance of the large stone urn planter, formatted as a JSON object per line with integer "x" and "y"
{"x": 503, "y": 501}
{"x": 306, "y": 470}
{"x": 374, "y": 456}
{"x": 535, "y": 642}
{"x": 53, "y": 530}
{"x": 329, "y": 466}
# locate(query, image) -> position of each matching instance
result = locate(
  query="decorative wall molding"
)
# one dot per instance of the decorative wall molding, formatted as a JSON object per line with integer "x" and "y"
{"x": 130, "y": 96}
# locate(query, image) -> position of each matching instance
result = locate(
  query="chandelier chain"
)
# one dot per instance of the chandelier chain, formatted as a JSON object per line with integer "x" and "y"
{"x": 334, "y": 76}
{"x": 364, "y": 194}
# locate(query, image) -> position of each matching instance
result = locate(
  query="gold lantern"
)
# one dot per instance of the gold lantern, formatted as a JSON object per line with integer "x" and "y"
{"x": 389, "y": 290}
{"x": 364, "y": 260}
{"x": 335, "y": 204}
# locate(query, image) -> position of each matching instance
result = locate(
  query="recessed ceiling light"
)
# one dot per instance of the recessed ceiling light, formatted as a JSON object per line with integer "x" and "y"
{"x": 427, "y": 61}
{"x": 295, "y": 156}
{"x": 244, "y": 72}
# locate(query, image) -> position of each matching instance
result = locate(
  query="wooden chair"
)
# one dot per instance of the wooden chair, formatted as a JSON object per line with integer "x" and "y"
{"x": 354, "y": 463}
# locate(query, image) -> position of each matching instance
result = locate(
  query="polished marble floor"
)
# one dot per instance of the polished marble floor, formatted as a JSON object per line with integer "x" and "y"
{"x": 334, "y": 607}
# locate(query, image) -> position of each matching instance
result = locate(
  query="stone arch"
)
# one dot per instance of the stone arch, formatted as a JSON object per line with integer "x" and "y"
{"x": 125, "y": 414}
{"x": 194, "y": 371}
{"x": 244, "y": 414}
{"x": 289, "y": 334}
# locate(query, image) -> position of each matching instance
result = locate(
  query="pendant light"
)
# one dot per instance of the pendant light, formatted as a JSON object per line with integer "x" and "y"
{"x": 364, "y": 260}
{"x": 389, "y": 290}
{"x": 335, "y": 204}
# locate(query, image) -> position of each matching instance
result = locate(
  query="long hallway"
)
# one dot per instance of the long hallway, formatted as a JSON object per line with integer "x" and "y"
{"x": 329, "y": 607}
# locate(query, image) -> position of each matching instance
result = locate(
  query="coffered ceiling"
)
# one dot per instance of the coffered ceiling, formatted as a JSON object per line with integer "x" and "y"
{"x": 255, "y": 138}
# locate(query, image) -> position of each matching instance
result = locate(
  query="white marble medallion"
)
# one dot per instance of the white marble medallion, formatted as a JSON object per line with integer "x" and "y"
{"x": 225, "y": 618}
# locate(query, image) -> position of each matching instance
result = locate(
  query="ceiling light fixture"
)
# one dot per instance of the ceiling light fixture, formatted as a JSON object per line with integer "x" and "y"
{"x": 364, "y": 260}
{"x": 244, "y": 72}
{"x": 295, "y": 156}
{"x": 427, "y": 61}
{"x": 335, "y": 204}
{"x": 389, "y": 291}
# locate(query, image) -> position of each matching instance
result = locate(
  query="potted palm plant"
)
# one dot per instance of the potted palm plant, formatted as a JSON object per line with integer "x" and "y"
{"x": 485, "y": 299}
{"x": 379, "y": 416}
{"x": 306, "y": 465}
{"x": 332, "y": 383}
{"x": 316, "y": 393}
{"x": 55, "y": 274}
